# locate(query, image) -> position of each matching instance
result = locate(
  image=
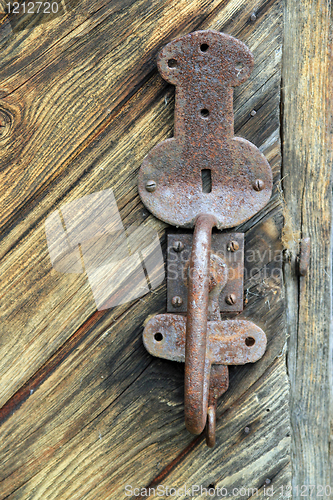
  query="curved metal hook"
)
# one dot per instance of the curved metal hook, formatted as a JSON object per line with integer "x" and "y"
{"x": 197, "y": 366}
{"x": 210, "y": 427}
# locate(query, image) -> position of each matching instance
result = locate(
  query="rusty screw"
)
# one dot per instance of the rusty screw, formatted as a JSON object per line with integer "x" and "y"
{"x": 233, "y": 246}
{"x": 231, "y": 299}
{"x": 178, "y": 246}
{"x": 150, "y": 186}
{"x": 258, "y": 185}
{"x": 176, "y": 301}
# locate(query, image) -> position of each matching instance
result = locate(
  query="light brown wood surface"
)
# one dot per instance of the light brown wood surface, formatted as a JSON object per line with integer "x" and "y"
{"x": 85, "y": 409}
{"x": 307, "y": 170}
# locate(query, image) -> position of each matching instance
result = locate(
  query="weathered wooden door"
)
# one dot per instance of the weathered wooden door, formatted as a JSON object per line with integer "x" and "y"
{"x": 86, "y": 412}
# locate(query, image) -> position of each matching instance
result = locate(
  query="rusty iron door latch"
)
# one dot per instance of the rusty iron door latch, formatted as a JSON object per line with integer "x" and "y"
{"x": 204, "y": 177}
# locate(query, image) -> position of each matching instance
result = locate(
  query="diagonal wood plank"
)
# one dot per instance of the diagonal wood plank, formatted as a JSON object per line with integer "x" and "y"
{"x": 107, "y": 412}
{"x": 112, "y": 159}
{"x": 77, "y": 88}
{"x": 95, "y": 383}
{"x": 252, "y": 466}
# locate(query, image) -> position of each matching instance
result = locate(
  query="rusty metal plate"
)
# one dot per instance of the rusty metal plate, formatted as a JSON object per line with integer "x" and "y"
{"x": 230, "y": 342}
{"x": 229, "y": 246}
{"x": 204, "y": 169}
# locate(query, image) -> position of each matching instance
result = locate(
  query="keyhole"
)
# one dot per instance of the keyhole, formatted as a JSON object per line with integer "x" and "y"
{"x": 206, "y": 179}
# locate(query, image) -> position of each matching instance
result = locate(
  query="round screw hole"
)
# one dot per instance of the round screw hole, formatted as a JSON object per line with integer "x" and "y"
{"x": 204, "y": 47}
{"x": 158, "y": 337}
{"x": 172, "y": 63}
{"x": 249, "y": 341}
{"x": 211, "y": 486}
{"x": 204, "y": 113}
{"x": 267, "y": 409}
{"x": 239, "y": 66}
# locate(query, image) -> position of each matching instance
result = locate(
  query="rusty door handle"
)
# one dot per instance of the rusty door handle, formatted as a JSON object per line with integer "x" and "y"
{"x": 204, "y": 177}
{"x": 196, "y": 369}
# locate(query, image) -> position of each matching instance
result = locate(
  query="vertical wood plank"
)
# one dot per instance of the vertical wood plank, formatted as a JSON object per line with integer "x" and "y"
{"x": 307, "y": 160}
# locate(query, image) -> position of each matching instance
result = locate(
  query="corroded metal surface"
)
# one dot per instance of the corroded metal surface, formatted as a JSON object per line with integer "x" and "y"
{"x": 205, "y": 66}
{"x": 227, "y": 342}
{"x": 211, "y": 425}
{"x": 196, "y": 380}
{"x": 178, "y": 266}
{"x": 205, "y": 177}
{"x": 230, "y": 342}
{"x": 219, "y": 383}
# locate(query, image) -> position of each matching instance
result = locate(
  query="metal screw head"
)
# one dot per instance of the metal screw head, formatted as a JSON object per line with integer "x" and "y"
{"x": 150, "y": 186}
{"x": 258, "y": 185}
{"x": 253, "y": 17}
{"x": 231, "y": 299}
{"x": 176, "y": 301}
{"x": 233, "y": 246}
{"x": 246, "y": 430}
{"x": 253, "y": 112}
{"x": 178, "y": 246}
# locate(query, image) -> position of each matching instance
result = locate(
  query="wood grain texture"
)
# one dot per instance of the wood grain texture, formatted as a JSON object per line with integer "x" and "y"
{"x": 109, "y": 404}
{"x": 86, "y": 409}
{"x": 307, "y": 164}
{"x": 47, "y": 174}
{"x": 110, "y": 160}
{"x": 261, "y": 463}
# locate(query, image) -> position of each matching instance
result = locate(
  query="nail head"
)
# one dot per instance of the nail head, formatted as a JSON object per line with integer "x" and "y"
{"x": 231, "y": 299}
{"x": 178, "y": 246}
{"x": 233, "y": 246}
{"x": 150, "y": 186}
{"x": 258, "y": 185}
{"x": 176, "y": 301}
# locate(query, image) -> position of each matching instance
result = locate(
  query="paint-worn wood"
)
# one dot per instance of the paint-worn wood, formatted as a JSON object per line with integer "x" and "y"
{"x": 85, "y": 409}
{"x": 109, "y": 404}
{"x": 263, "y": 465}
{"x": 307, "y": 165}
{"x": 111, "y": 160}
{"x": 66, "y": 104}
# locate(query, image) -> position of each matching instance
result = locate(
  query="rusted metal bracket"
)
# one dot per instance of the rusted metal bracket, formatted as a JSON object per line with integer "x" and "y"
{"x": 204, "y": 177}
{"x": 229, "y": 247}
